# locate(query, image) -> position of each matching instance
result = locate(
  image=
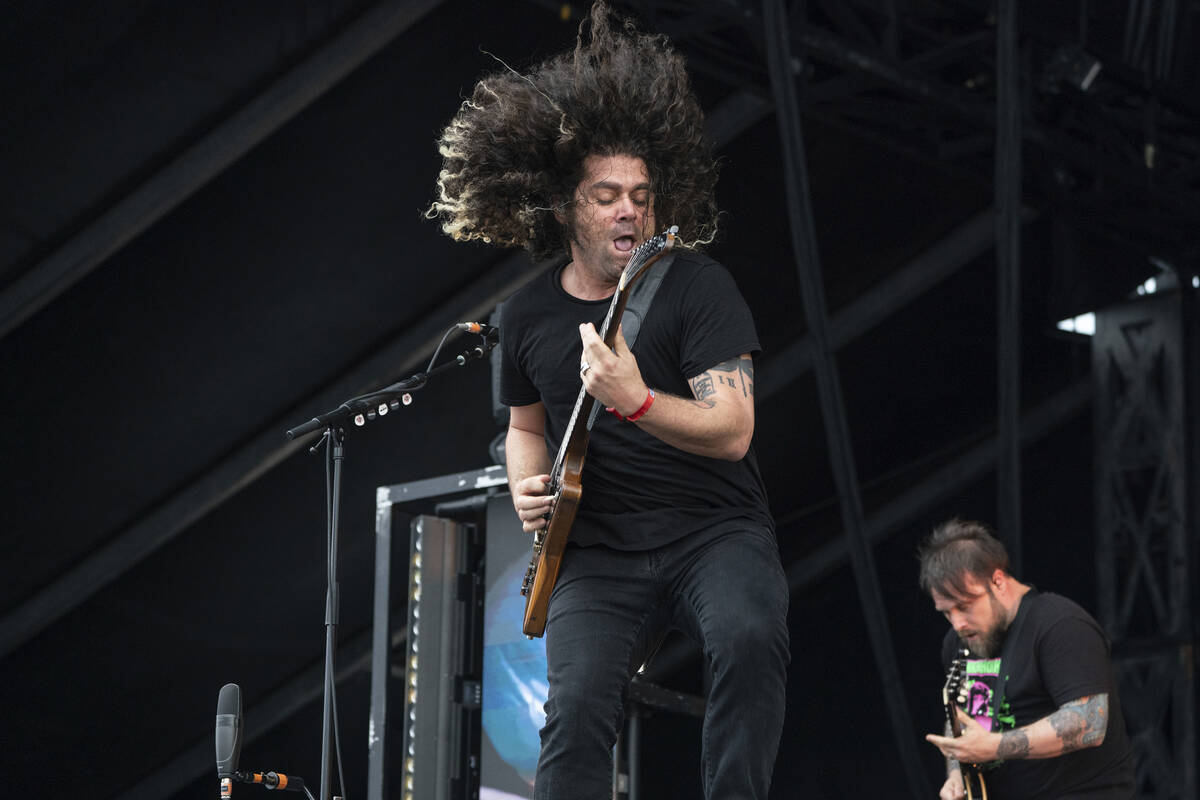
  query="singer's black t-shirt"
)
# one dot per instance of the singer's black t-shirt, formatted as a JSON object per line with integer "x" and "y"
{"x": 638, "y": 492}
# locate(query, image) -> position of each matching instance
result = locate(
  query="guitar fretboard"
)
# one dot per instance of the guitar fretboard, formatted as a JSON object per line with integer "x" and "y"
{"x": 645, "y": 253}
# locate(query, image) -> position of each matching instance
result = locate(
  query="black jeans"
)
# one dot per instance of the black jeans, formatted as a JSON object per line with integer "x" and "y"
{"x": 610, "y": 608}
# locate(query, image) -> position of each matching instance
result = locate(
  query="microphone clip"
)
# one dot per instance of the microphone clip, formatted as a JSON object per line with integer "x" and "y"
{"x": 479, "y": 351}
{"x": 271, "y": 780}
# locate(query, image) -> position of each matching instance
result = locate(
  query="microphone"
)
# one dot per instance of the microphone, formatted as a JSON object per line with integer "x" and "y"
{"x": 229, "y": 729}
{"x": 272, "y": 780}
{"x": 487, "y": 331}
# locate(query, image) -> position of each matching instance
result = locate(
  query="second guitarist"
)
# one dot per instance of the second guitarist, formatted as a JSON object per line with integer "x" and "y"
{"x": 1040, "y": 711}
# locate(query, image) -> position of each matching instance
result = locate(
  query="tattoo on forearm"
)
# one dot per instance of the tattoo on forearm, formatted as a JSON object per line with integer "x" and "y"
{"x": 1081, "y": 723}
{"x": 1013, "y": 744}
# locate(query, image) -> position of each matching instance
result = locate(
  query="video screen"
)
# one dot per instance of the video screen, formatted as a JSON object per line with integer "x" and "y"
{"x": 514, "y": 667}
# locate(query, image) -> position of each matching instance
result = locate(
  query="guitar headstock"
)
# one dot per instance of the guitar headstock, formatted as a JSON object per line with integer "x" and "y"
{"x": 953, "y": 692}
{"x": 646, "y": 254}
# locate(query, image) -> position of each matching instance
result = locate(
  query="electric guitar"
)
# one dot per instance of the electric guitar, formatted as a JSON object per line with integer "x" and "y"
{"x": 954, "y": 695}
{"x": 565, "y": 485}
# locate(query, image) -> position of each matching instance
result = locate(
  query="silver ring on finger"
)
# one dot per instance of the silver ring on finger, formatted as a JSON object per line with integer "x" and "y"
{"x": 584, "y": 367}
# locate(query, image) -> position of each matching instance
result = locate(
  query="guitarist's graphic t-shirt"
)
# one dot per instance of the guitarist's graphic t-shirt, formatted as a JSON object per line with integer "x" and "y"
{"x": 638, "y": 492}
{"x": 1057, "y": 654}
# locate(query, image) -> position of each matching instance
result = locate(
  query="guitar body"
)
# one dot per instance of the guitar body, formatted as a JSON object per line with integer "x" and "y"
{"x": 566, "y": 484}
{"x": 548, "y": 546}
{"x": 973, "y": 782}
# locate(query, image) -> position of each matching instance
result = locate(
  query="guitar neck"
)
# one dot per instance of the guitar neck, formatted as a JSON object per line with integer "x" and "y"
{"x": 575, "y": 436}
{"x": 952, "y": 720}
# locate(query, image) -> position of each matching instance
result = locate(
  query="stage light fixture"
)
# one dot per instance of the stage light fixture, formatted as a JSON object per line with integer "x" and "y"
{"x": 1070, "y": 66}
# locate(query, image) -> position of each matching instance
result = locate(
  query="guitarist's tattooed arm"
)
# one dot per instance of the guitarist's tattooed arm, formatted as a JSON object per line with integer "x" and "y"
{"x": 1076, "y": 725}
{"x": 736, "y": 373}
{"x": 717, "y": 421}
{"x": 1081, "y": 723}
{"x": 1013, "y": 744}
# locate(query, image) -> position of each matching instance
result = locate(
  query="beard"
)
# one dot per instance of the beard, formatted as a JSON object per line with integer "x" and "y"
{"x": 987, "y": 644}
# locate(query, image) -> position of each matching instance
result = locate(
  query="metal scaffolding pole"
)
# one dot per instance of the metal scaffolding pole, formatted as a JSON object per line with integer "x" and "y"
{"x": 1142, "y": 361}
{"x": 833, "y": 410}
{"x": 1008, "y": 271}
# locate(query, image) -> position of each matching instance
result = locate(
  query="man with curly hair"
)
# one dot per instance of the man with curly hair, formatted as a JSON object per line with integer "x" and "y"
{"x": 585, "y": 158}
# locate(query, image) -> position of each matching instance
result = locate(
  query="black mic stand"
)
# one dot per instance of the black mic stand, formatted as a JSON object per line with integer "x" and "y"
{"x": 360, "y": 409}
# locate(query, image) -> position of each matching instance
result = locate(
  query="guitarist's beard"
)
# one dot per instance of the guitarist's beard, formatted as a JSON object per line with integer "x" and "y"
{"x": 987, "y": 643}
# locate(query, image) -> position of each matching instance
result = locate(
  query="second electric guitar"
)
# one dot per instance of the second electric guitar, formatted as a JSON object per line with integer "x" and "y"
{"x": 953, "y": 697}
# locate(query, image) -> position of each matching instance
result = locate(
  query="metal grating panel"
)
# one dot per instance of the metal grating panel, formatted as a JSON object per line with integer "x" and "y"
{"x": 1142, "y": 560}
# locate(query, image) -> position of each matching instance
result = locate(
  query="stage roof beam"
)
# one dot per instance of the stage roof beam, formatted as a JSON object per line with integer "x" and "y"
{"x": 407, "y": 352}
{"x": 126, "y": 219}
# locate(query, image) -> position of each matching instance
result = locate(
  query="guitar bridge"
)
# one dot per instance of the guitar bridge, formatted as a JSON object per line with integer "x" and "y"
{"x": 530, "y": 573}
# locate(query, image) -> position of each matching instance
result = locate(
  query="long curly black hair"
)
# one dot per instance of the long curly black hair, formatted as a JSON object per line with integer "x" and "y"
{"x": 513, "y": 154}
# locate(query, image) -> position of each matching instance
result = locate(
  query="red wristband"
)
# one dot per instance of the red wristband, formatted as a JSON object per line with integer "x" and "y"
{"x": 635, "y": 416}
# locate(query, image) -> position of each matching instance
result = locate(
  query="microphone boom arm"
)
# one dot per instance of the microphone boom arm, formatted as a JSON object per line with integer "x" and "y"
{"x": 391, "y": 397}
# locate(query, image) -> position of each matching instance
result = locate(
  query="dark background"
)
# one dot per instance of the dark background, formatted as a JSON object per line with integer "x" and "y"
{"x": 192, "y": 263}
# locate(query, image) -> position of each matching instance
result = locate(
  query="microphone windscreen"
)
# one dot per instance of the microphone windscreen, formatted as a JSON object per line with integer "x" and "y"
{"x": 229, "y": 701}
{"x": 228, "y": 729}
